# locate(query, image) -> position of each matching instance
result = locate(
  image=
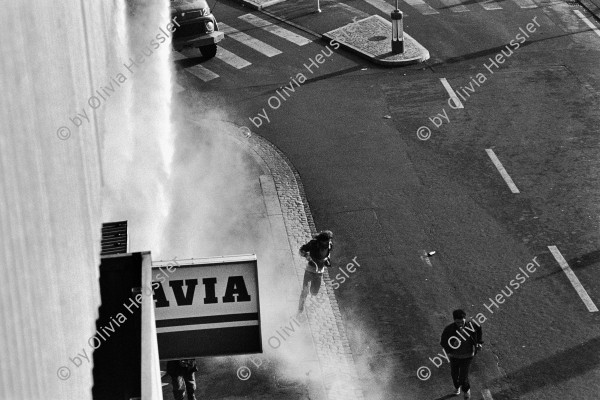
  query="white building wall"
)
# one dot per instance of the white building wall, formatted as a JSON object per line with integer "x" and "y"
{"x": 53, "y": 55}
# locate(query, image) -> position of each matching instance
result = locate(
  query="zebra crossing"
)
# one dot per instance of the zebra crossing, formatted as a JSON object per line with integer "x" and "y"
{"x": 203, "y": 73}
{"x": 422, "y": 7}
{"x": 230, "y": 58}
{"x": 425, "y": 7}
{"x": 274, "y": 29}
{"x": 249, "y": 41}
{"x": 525, "y": 3}
{"x": 258, "y": 46}
{"x": 432, "y": 7}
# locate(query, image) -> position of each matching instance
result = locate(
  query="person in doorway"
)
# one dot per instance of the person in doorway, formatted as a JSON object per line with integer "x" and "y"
{"x": 182, "y": 378}
{"x": 461, "y": 341}
{"x": 317, "y": 253}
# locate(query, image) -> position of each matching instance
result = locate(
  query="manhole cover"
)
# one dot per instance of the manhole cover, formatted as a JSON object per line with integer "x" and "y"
{"x": 377, "y": 38}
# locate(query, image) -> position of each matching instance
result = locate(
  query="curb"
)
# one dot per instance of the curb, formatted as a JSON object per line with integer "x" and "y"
{"x": 258, "y": 5}
{"x": 391, "y": 63}
{"x": 347, "y": 368}
{"x": 377, "y": 30}
{"x": 339, "y": 378}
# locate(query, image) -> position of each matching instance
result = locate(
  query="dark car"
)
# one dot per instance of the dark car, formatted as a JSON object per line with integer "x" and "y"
{"x": 198, "y": 28}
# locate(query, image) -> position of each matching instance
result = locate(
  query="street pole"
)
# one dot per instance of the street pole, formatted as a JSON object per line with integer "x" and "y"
{"x": 397, "y": 31}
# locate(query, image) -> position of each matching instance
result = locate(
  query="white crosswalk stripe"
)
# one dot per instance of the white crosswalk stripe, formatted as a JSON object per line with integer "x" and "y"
{"x": 422, "y": 7}
{"x": 275, "y": 30}
{"x": 201, "y": 72}
{"x": 231, "y": 59}
{"x": 490, "y": 5}
{"x": 249, "y": 41}
{"x": 455, "y": 5}
{"x": 176, "y": 56}
{"x": 381, "y": 5}
{"x": 525, "y": 3}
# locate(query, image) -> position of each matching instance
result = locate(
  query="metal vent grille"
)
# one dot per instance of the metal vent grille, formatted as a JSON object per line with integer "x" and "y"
{"x": 114, "y": 238}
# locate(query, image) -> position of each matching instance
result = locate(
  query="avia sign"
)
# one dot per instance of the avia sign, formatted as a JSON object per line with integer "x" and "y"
{"x": 207, "y": 307}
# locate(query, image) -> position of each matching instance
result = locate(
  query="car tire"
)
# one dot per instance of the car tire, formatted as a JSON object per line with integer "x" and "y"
{"x": 208, "y": 52}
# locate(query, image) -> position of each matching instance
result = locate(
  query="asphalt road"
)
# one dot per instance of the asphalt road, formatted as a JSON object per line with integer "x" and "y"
{"x": 350, "y": 130}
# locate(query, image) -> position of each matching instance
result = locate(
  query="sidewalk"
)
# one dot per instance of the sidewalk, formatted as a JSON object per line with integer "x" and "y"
{"x": 364, "y": 34}
{"x": 312, "y": 361}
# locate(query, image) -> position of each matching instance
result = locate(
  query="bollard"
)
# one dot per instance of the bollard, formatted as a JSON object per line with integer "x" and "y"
{"x": 397, "y": 31}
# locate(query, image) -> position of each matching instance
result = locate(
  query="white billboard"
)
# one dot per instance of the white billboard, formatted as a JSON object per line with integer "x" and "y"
{"x": 207, "y": 307}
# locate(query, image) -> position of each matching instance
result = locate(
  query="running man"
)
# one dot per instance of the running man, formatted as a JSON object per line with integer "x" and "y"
{"x": 317, "y": 253}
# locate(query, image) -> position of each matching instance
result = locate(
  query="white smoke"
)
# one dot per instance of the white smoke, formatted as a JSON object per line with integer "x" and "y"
{"x": 138, "y": 145}
{"x": 189, "y": 190}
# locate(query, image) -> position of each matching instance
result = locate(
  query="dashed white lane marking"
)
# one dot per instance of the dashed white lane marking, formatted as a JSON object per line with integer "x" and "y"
{"x": 490, "y": 5}
{"x": 422, "y": 7}
{"x": 573, "y": 278}
{"x": 451, "y": 93}
{"x": 381, "y": 5}
{"x": 487, "y": 395}
{"x": 526, "y": 3}
{"x": 587, "y": 22}
{"x": 454, "y": 5}
{"x": 249, "y": 41}
{"x": 498, "y": 164}
{"x": 231, "y": 59}
{"x": 275, "y": 30}
{"x": 203, "y": 73}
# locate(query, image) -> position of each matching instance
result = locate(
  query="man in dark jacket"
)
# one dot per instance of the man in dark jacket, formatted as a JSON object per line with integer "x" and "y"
{"x": 182, "y": 378}
{"x": 317, "y": 253}
{"x": 461, "y": 341}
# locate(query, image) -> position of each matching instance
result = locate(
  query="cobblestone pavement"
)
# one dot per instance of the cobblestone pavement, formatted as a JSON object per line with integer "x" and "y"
{"x": 372, "y": 37}
{"x": 326, "y": 326}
